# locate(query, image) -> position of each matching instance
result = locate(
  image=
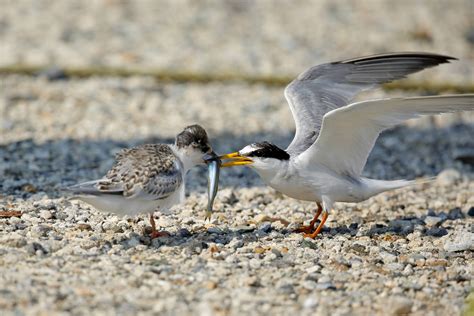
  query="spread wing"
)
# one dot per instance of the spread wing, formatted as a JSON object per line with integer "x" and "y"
{"x": 150, "y": 172}
{"x": 326, "y": 87}
{"x": 349, "y": 133}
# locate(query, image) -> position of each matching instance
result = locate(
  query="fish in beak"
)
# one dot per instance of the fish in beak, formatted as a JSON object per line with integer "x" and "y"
{"x": 213, "y": 163}
{"x": 235, "y": 159}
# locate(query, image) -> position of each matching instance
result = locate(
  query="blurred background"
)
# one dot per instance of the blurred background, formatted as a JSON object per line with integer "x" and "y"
{"x": 79, "y": 80}
{"x": 245, "y": 37}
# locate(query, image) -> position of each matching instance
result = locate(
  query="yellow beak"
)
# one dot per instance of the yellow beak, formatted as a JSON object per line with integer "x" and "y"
{"x": 235, "y": 160}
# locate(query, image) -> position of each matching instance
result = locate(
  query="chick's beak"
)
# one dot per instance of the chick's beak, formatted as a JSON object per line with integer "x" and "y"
{"x": 208, "y": 157}
{"x": 235, "y": 159}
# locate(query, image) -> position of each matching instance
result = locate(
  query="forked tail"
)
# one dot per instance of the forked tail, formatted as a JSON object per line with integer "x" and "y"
{"x": 375, "y": 187}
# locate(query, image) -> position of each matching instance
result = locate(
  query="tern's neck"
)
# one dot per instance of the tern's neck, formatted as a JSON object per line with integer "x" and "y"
{"x": 188, "y": 159}
{"x": 272, "y": 169}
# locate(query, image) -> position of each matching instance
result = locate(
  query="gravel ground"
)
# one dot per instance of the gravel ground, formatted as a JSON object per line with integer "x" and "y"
{"x": 400, "y": 252}
{"x": 264, "y": 37}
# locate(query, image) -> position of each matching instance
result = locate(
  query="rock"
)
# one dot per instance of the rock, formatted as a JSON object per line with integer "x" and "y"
{"x": 313, "y": 269}
{"x": 436, "y": 232}
{"x": 408, "y": 270}
{"x": 387, "y": 257}
{"x": 184, "y": 233}
{"x": 260, "y": 250}
{"x": 254, "y": 263}
{"x": 432, "y": 220}
{"x": 45, "y": 214}
{"x": 214, "y": 230}
{"x": 360, "y": 249}
{"x": 236, "y": 243}
{"x": 455, "y": 213}
{"x": 353, "y": 226}
{"x": 35, "y": 248}
{"x": 459, "y": 241}
{"x": 402, "y": 227}
{"x": 111, "y": 226}
{"x": 399, "y": 305}
{"x": 277, "y": 252}
{"x": 325, "y": 286}
{"x": 84, "y": 226}
{"x": 309, "y": 285}
{"x": 310, "y": 303}
{"x": 252, "y": 281}
{"x": 41, "y": 230}
{"x": 471, "y": 212}
{"x": 377, "y": 229}
{"x": 244, "y": 229}
{"x": 266, "y": 227}
{"x": 133, "y": 241}
{"x": 448, "y": 177}
{"x": 394, "y": 266}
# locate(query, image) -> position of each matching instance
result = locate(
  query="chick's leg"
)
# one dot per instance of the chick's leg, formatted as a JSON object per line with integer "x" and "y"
{"x": 155, "y": 233}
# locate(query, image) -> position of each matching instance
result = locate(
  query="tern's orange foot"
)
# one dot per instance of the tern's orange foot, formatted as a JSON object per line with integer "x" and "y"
{"x": 310, "y": 228}
{"x": 319, "y": 228}
{"x": 311, "y": 235}
{"x": 157, "y": 234}
{"x": 305, "y": 229}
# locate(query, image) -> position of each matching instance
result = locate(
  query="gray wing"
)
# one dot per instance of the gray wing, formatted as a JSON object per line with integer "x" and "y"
{"x": 326, "y": 87}
{"x": 150, "y": 172}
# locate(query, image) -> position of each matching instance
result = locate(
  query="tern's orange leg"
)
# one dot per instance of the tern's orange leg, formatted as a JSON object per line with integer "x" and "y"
{"x": 308, "y": 229}
{"x": 154, "y": 233}
{"x": 320, "y": 226}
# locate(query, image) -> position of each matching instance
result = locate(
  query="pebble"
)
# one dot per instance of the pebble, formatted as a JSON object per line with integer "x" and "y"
{"x": 471, "y": 212}
{"x": 436, "y": 232}
{"x": 455, "y": 213}
{"x": 266, "y": 227}
{"x": 459, "y": 241}
{"x": 432, "y": 220}
{"x": 45, "y": 214}
{"x": 35, "y": 249}
{"x": 448, "y": 177}
{"x": 399, "y": 305}
{"x": 184, "y": 233}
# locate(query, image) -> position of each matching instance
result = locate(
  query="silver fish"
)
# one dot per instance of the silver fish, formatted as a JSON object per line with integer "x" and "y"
{"x": 212, "y": 183}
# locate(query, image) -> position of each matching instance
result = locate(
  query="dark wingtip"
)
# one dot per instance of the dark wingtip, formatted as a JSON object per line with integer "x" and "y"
{"x": 440, "y": 59}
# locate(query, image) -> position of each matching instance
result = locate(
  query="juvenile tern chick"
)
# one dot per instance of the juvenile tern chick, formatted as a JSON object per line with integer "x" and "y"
{"x": 147, "y": 178}
{"x": 334, "y": 137}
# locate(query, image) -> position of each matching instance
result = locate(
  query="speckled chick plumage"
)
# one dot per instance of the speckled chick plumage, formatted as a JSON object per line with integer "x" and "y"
{"x": 148, "y": 177}
{"x": 153, "y": 168}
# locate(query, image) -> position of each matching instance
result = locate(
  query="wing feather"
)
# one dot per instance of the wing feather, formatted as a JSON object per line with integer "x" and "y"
{"x": 348, "y": 134}
{"x": 326, "y": 87}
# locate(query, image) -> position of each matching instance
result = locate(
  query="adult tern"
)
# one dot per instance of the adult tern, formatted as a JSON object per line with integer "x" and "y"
{"x": 334, "y": 137}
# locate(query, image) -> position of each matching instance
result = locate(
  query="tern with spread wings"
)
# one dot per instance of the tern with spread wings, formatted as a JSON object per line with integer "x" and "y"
{"x": 334, "y": 137}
